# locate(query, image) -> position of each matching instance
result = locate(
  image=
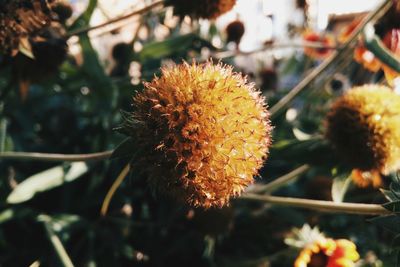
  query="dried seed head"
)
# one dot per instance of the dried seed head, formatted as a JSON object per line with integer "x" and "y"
{"x": 63, "y": 9}
{"x": 364, "y": 127}
{"x": 235, "y": 31}
{"x": 206, "y": 9}
{"x": 20, "y": 19}
{"x": 205, "y": 132}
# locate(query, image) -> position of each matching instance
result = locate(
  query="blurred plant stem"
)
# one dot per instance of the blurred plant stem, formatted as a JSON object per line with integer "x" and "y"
{"x": 330, "y": 61}
{"x": 56, "y": 242}
{"x": 320, "y": 205}
{"x": 283, "y": 180}
{"x": 55, "y": 157}
{"x": 134, "y": 13}
{"x": 228, "y": 54}
{"x": 113, "y": 189}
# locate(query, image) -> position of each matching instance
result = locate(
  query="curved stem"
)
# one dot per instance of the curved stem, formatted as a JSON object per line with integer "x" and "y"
{"x": 113, "y": 189}
{"x": 284, "y": 179}
{"x": 377, "y": 13}
{"x": 228, "y": 54}
{"x": 320, "y": 205}
{"x": 134, "y": 13}
{"x": 55, "y": 157}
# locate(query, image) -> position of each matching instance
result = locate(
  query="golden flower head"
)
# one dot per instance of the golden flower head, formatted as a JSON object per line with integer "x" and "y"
{"x": 20, "y": 19}
{"x": 206, "y": 9}
{"x": 364, "y": 127}
{"x": 328, "y": 253}
{"x": 204, "y": 131}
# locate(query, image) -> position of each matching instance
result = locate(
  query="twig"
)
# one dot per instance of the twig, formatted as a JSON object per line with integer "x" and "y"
{"x": 320, "y": 205}
{"x": 134, "y": 13}
{"x": 228, "y": 54}
{"x": 284, "y": 179}
{"x": 377, "y": 13}
{"x": 113, "y": 189}
{"x": 56, "y": 242}
{"x": 55, "y": 157}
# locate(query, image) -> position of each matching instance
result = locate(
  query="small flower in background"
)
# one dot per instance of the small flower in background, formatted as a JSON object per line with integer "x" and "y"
{"x": 366, "y": 58}
{"x": 205, "y": 132}
{"x": 320, "y": 251}
{"x": 311, "y": 37}
{"x": 365, "y": 179}
{"x": 62, "y": 9}
{"x": 205, "y": 9}
{"x": 235, "y": 31}
{"x": 392, "y": 42}
{"x": 363, "y": 125}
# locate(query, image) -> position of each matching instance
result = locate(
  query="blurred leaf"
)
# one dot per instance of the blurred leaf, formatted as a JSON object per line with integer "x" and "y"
{"x": 392, "y": 206}
{"x": 300, "y": 135}
{"x": 339, "y": 187}
{"x": 390, "y": 222}
{"x": 83, "y": 20}
{"x": 45, "y": 181}
{"x": 13, "y": 213}
{"x": 174, "y": 45}
{"x": 389, "y": 195}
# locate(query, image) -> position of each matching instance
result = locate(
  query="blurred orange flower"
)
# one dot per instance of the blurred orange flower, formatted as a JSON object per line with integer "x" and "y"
{"x": 365, "y": 179}
{"x": 326, "y": 40}
{"x": 328, "y": 253}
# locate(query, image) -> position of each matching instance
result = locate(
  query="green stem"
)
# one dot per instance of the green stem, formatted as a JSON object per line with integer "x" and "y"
{"x": 275, "y": 184}
{"x": 320, "y": 205}
{"x": 375, "y": 45}
{"x": 377, "y": 13}
{"x": 113, "y": 189}
{"x": 55, "y": 157}
{"x": 56, "y": 242}
{"x": 134, "y": 13}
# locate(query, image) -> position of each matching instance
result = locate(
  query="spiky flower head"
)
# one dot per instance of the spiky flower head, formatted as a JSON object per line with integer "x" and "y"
{"x": 206, "y": 9}
{"x": 20, "y": 19}
{"x": 204, "y": 131}
{"x": 364, "y": 127}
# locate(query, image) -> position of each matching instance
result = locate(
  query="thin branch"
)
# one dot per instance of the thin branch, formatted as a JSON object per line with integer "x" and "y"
{"x": 55, "y": 157}
{"x": 228, "y": 54}
{"x": 320, "y": 205}
{"x": 284, "y": 179}
{"x": 134, "y": 13}
{"x": 377, "y": 13}
{"x": 113, "y": 189}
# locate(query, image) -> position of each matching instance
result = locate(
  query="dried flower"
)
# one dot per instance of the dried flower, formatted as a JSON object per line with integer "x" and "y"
{"x": 328, "y": 253}
{"x": 364, "y": 127}
{"x": 63, "y": 9}
{"x": 205, "y": 132}
{"x": 207, "y": 9}
{"x": 326, "y": 40}
{"x": 365, "y": 179}
{"x": 235, "y": 31}
{"x": 20, "y": 19}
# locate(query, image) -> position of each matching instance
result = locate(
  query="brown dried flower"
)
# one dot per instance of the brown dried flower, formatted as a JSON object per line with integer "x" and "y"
{"x": 206, "y": 9}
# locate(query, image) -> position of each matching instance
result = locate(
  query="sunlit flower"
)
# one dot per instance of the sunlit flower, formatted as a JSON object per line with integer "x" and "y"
{"x": 326, "y": 40}
{"x": 328, "y": 253}
{"x": 204, "y": 130}
{"x": 364, "y": 127}
{"x": 207, "y": 9}
{"x": 18, "y": 21}
{"x": 365, "y": 179}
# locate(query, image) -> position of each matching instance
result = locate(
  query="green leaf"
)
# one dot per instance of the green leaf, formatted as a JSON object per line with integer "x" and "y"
{"x": 390, "y": 222}
{"x": 389, "y": 195}
{"x": 392, "y": 206}
{"x": 45, "y": 181}
{"x": 174, "y": 45}
{"x": 339, "y": 187}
